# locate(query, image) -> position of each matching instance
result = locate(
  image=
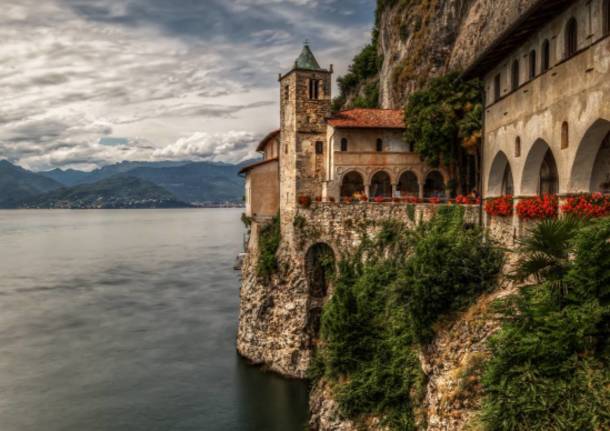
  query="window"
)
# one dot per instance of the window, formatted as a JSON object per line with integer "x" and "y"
{"x": 518, "y": 147}
{"x": 515, "y": 75}
{"x": 565, "y": 137}
{"x": 314, "y": 89}
{"x": 497, "y": 87}
{"x": 343, "y": 144}
{"x": 379, "y": 145}
{"x": 571, "y": 38}
{"x": 532, "y": 64}
{"x": 411, "y": 147}
{"x": 546, "y": 55}
{"x": 287, "y": 93}
{"x": 606, "y": 17}
{"x": 319, "y": 147}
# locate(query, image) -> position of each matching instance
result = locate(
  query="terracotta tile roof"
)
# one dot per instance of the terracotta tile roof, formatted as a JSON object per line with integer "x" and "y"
{"x": 256, "y": 165}
{"x": 266, "y": 139}
{"x": 368, "y": 119}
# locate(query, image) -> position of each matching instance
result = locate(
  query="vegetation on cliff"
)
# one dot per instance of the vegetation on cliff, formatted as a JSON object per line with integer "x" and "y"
{"x": 387, "y": 299}
{"x": 443, "y": 123}
{"x": 550, "y": 363}
{"x": 268, "y": 243}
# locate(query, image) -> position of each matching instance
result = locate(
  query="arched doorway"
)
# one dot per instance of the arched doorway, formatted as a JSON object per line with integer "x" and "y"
{"x": 434, "y": 185}
{"x": 320, "y": 268}
{"x": 549, "y": 178}
{"x": 381, "y": 185}
{"x": 352, "y": 183}
{"x": 590, "y": 171}
{"x": 500, "y": 180}
{"x": 408, "y": 185}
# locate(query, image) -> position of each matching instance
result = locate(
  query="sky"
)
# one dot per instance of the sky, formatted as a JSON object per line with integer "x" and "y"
{"x": 86, "y": 83}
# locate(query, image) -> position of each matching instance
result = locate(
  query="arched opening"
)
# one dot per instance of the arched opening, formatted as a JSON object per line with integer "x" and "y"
{"x": 515, "y": 75}
{"x": 532, "y": 64}
{"x": 546, "y": 55}
{"x": 352, "y": 183}
{"x": 434, "y": 185}
{"x": 500, "y": 177}
{"x": 590, "y": 171}
{"x": 344, "y": 144}
{"x": 606, "y": 17}
{"x": 549, "y": 178}
{"x": 565, "y": 137}
{"x": 537, "y": 178}
{"x": 571, "y": 38}
{"x": 408, "y": 185}
{"x": 518, "y": 147}
{"x": 320, "y": 268}
{"x": 381, "y": 185}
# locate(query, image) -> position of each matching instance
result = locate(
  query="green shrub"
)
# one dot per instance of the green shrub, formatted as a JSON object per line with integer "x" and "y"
{"x": 550, "y": 365}
{"x": 386, "y": 299}
{"x": 268, "y": 243}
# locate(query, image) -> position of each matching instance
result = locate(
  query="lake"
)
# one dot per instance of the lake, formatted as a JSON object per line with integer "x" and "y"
{"x": 126, "y": 320}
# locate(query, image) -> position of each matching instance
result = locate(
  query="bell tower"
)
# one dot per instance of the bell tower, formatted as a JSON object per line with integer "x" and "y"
{"x": 305, "y": 104}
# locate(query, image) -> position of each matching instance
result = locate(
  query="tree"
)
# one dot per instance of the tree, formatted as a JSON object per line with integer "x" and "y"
{"x": 443, "y": 123}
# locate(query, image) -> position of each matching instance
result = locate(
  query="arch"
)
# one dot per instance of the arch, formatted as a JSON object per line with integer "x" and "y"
{"x": 408, "y": 184}
{"x": 381, "y": 185}
{"x": 532, "y": 64}
{"x": 434, "y": 185}
{"x": 352, "y": 183}
{"x": 514, "y": 75}
{"x": 500, "y": 180}
{"x": 546, "y": 55}
{"x": 344, "y": 144}
{"x": 586, "y": 167}
{"x": 549, "y": 177}
{"x": 606, "y": 17}
{"x": 320, "y": 265}
{"x": 571, "y": 38}
{"x": 532, "y": 169}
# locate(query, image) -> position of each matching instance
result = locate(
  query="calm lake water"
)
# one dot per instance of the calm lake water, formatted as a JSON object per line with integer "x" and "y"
{"x": 126, "y": 320}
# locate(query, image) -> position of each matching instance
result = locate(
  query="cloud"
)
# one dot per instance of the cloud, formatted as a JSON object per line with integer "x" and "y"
{"x": 155, "y": 74}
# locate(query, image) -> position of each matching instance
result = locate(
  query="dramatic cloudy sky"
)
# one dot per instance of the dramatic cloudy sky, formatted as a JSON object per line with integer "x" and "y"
{"x": 85, "y": 83}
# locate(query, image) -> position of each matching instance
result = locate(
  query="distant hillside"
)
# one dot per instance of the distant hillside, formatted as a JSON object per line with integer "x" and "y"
{"x": 115, "y": 192}
{"x": 17, "y": 184}
{"x": 200, "y": 182}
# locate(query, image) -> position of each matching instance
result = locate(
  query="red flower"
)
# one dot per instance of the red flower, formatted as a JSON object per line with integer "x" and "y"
{"x": 412, "y": 199}
{"x": 434, "y": 200}
{"x": 379, "y": 199}
{"x": 538, "y": 207}
{"x": 587, "y": 205}
{"x": 305, "y": 201}
{"x": 500, "y": 207}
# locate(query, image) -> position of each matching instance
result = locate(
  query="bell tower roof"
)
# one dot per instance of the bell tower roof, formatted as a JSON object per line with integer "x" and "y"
{"x": 306, "y": 60}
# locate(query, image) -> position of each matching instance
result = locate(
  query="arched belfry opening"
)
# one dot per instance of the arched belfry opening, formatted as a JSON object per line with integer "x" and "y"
{"x": 352, "y": 184}
{"x": 320, "y": 267}
{"x": 408, "y": 185}
{"x": 434, "y": 185}
{"x": 381, "y": 185}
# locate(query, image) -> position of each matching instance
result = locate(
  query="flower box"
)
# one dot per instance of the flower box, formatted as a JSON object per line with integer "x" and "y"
{"x": 587, "y": 205}
{"x": 538, "y": 208}
{"x": 500, "y": 207}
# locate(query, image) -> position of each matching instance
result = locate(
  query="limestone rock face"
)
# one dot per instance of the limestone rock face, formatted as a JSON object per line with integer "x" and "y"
{"x": 425, "y": 39}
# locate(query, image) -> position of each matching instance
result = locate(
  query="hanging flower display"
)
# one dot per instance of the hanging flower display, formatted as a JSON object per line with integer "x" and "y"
{"x": 587, "y": 205}
{"x": 500, "y": 207}
{"x": 538, "y": 207}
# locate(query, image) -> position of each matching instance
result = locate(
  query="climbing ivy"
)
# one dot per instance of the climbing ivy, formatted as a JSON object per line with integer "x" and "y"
{"x": 269, "y": 242}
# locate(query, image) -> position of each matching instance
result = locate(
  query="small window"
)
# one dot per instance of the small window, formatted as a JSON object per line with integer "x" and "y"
{"x": 515, "y": 75}
{"x": 287, "y": 93}
{"x": 319, "y": 147}
{"x": 532, "y": 64}
{"x": 546, "y": 55}
{"x": 571, "y": 38}
{"x": 565, "y": 137}
{"x": 497, "y": 87}
{"x": 379, "y": 146}
{"x": 606, "y": 17}
{"x": 343, "y": 144}
{"x": 518, "y": 147}
{"x": 314, "y": 89}
{"x": 411, "y": 147}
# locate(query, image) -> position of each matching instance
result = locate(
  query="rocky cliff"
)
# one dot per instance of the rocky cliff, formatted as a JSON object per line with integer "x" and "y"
{"x": 420, "y": 39}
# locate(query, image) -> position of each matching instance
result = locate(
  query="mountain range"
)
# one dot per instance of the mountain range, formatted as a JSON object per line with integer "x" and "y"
{"x": 160, "y": 184}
